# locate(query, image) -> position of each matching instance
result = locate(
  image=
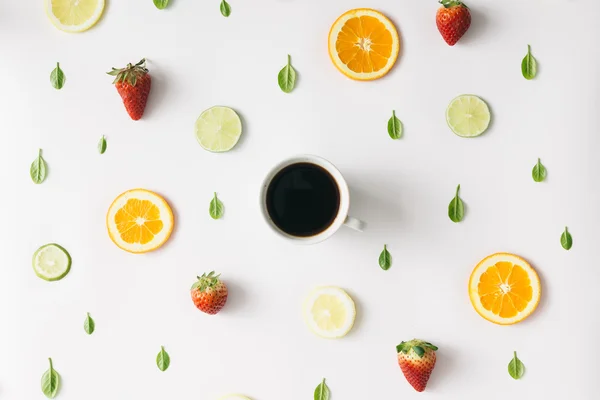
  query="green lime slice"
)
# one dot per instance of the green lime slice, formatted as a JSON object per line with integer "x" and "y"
{"x": 468, "y": 116}
{"x": 218, "y": 129}
{"x": 51, "y": 262}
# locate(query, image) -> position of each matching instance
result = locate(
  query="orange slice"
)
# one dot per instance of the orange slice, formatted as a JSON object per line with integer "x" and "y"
{"x": 363, "y": 44}
{"x": 139, "y": 221}
{"x": 504, "y": 289}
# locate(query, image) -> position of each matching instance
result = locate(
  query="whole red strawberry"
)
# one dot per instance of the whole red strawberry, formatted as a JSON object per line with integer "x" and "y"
{"x": 133, "y": 84}
{"x": 453, "y": 20}
{"x": 416, "y": 359}
{"x": 209, "y": 294}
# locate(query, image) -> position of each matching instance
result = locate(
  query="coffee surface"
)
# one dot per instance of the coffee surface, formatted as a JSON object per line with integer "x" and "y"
{"x": 303, "y": 199}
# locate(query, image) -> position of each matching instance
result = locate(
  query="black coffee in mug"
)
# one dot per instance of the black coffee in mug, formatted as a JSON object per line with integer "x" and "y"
{"x": 303, "y": 199}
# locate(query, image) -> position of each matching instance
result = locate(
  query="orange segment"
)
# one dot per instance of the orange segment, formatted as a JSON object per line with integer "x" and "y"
{"x": 504, "y": 289}
{"x": 363, "y": 44}
{"x": 139, "y": 221}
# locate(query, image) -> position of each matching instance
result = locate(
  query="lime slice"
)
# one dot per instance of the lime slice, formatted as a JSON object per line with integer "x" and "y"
{"x": 218, "y": 129}
{"x": 329, "y": 312}
{"x": 234, "y": 397}
{"x": 51, "y": 262}
{"x": 468, "y": 116}
{"x": 74, "y": 15}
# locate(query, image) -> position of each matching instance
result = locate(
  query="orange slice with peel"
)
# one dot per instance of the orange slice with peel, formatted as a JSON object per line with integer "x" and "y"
{"x": 504, "y": 289}
{"x": 363, "y": 44}
{"x": 139, "y": 221}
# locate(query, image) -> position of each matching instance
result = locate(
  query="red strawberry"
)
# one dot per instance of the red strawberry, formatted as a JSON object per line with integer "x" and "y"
{"x": 209, "y": 294}
{"x": 453, "y": 20}
{"x": 133, "y": 84}
{"x": 416, "y": 359}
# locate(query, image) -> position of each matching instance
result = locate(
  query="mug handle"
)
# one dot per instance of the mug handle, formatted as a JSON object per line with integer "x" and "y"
{"x": 355, "y": 223}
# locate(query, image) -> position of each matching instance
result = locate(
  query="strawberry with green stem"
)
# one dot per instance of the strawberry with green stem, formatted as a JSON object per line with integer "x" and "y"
{"x": 417, "y": 360}
{"x": 453, "y": 20}
{"x": 209, "y": 293}
{"x": 133, "y": 84}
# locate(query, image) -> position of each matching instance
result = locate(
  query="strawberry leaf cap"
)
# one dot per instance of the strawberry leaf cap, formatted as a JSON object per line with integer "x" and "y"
{"x": 131, "y": 73}
{"x": 416, "y": 345}
{"x": 452, "y": 3}
{"x": 206, "y": 281}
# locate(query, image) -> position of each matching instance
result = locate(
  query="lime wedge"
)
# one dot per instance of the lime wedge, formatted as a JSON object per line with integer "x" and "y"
{"x": 218, "y": 129}
{"x": 468, "y": 116}
{"x": 51, "y": 262}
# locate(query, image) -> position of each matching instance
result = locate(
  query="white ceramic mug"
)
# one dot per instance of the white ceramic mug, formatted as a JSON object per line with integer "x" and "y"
{"x": 342, "y": 217}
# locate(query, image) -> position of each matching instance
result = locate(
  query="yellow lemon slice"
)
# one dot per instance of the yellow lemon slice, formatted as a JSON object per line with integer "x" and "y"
{"x": 504, "y": 289}
{"x": 329, "y": 312}
{"x": 139, "y": 221}
{"x": 363, "y": 44}
{"x": 74, "y": 15}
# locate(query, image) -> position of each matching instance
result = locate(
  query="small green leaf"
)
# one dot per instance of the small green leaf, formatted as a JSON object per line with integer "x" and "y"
{"x": 394, "y": 127}
{"x": 539, "y": 172}
{"x": 516, "y": 367}
{"x": 38, "y": 169}
{"x": 287, "y": 77}
{"x": 50, "y": 382}
{"x": 529, "y": 65}
{"x": 57, "y": 77}
{"x": 102, "y": 145}
{"x": 430, "y": 346}
{"x": 216, "y": 208}
{"x": 89, "y": 325}
{"x": 225, "y": 8}
{"x": 322, "y": 391}
{"x": 162, "y": 359}
{"x": 456, "y": 208}
{"x": 161, "y": 4}
{"x": 566, "y": 240}
{"x": 419, "y": 350}
{"x": 385, "y": 259}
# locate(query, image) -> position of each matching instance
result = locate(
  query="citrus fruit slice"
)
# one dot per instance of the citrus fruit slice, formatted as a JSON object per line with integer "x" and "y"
{"x": 234, "y": 397}
{"x": 468, "y": 116}
{"x": 51, "y": 262}
{"x": 363, "y": 44}
{"x": 329, "y": 312}
{"x": 139, "y": 221}
{"x": 218, "y": 129}
{"x": 74, "y": 15}
{"x": 504, "y": 289}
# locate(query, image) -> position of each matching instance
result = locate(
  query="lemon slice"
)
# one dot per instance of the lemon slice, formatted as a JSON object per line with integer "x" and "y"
{"x": 74, "y": 15}
{"x": 51, "y": 262}
{"x": 139, "y": 221}
{"x": 468, "y": 116}
{"x": 218, "y": 129}
{"x": 329, "y": 312}
{"x": 234, "y": 397}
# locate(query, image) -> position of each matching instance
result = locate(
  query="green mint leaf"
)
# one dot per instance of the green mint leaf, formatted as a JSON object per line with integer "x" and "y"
{"x": 539, "y": 171}
{"x": 50, "y": 382}
{"x": 89, "y": 325}
{"x": 102, "y": 145}
{"x": 529, "y": 65}
{"x": 516, "y": 367}
{"x": 162, "y": 359}
{"x": 456, "y": 208}
{"x": 566, "y": 240}
{"x": 287, "y": 77}
{"x": 322, "y": 391}
{"x": 57, "y": 77}
{"x": 161, "y": 4}
{"x": 225, "y": 8}
{"x": 385, "y": 259}
{"x": 216, "y": 208}
{"x": 394, "y": 127}
{"x": 38, "y": 169}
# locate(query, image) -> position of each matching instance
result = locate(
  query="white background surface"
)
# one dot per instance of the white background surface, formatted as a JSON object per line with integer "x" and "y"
{"x": 259, "y": 345}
